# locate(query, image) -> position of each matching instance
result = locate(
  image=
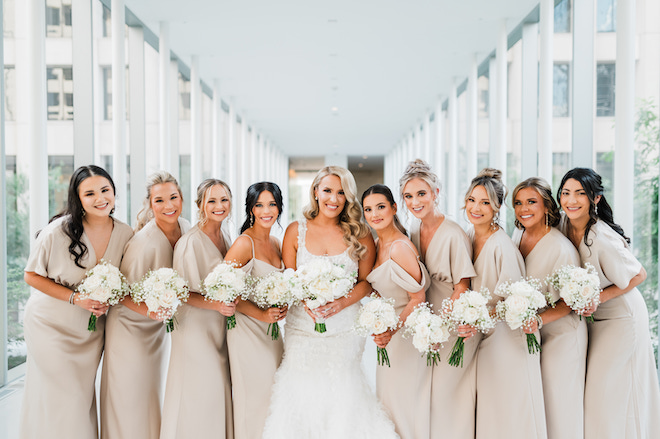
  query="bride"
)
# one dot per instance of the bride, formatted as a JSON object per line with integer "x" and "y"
{"x": 320, "y": 390}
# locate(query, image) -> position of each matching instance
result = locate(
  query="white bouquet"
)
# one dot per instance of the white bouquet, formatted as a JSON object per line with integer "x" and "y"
{"x": 522, "y": 301}
{"x": 319, "y": 282}
{"x": 578, "y": 287}
{"x": 105, "y": 284}
{"x": 428, "y": 331}
{"x": 162, "y": 290}
{"x": 471, "y": 308}
{"x": 225, "y": 283}
{"x": 274, "y": 291}
{"x": 375, "y": 317}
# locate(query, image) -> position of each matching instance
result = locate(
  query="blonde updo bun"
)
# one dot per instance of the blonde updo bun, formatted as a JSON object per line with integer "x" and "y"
{"x": 491, "y": 180}
{"x": 490, "y": 173}
{"x": 418, "y": 168}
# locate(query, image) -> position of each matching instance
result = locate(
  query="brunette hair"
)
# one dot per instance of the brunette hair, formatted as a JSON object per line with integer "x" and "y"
{"x": 387, "y": 193}
{"x": 545, "y": 191}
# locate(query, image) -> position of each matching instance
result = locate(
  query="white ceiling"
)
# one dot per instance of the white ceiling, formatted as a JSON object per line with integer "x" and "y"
{"x": 285, "y": 64}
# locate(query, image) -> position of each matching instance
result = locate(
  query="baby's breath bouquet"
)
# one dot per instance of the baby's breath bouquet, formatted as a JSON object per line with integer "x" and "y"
{"x": 375, "y": 317}
{"x": 162, "y": 290}
{"x": 428, "y": 332}
{"x": 274, "y": 290}
{"x": 105, "y": 284}
{"x": 578, "y": 287}
{"x": 522, "y": 301}
{"x": 225, "y": 283}
{"x": 320, "y": 281}
{"x": 471, "y": 308}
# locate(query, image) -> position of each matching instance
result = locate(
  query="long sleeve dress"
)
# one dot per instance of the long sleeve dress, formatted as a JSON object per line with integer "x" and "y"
{"x": 563, "y": 342}
{"x": 253, "y": 359}
{"x": 404, "y": 388}
{"x": 198, "y": 390}
{"x": 136, "y": 348}
{"x": 622, "y": 398}
{"x": 509, "y": 386}
{"x": 63, "y": 356}
{"x": 448, "y": 259}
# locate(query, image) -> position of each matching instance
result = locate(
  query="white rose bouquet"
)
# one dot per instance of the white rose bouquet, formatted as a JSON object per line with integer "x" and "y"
{"x": 522, "y": 301}
{"x": 375, "y": 317}
{"x": 428, "y": 331}
{"x": 162, "y": 290}
{"x": 578, "y": 287}
{"x": 471, "y": 308}
{"x": 105, "y": 284}
{"x": 225, "y": 283}
{"x": 319, "y": 282}
{"x": 275, "y": 291}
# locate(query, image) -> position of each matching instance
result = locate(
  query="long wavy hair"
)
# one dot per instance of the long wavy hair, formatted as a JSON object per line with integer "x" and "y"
{"x": 146, "y": 214}
{"x": 383, "y": 190}
{"x": 593, "y": 186}
{"x": 350, "y": 218}
{"x": 73, "y": 213}
{"x": 252, "y": 196}
{"x": 545, "y": 192}
{"x": 203, "y": 191}
{"x": 491, "y": 180}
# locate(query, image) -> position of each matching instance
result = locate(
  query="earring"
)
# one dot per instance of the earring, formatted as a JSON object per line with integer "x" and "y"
{"x": 596, "y": 209}
{"x": 316, "y": 198}
{"x": 493, "y": 225}
{"x": 112, "y": 210}
{"x": 251, "y": 220}
{"x": 84, "y": 212}
{"x": 547, "y": 221}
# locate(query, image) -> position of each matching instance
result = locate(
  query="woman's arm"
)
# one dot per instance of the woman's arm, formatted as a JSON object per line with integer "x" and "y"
{"x": 290, "y": 246}
{"x": 57, "y": 291}
{"x": 548, "y": 316}
{"x": 613, "y": 291}
{"x": 462, "y": 286}
{"x": 197, "y": 300}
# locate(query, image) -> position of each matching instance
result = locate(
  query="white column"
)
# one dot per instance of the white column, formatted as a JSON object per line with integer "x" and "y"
{"x": 410, "y": 147}
{"x": 268, "y": 175}
{"x": 529, "y": 122}
{"x": 216, "y": 149}
{"x": 261, "y": 150}
{"x": 500, "y": 113}
{"x": 174, "y": 120}
{"x": 3, "y": 224}
{"x": 195, "y": 131}
{"x": 231, "y": 150}
{"x": 427, "y": 152}
{"x": 452, "y": 175}
{"x": 492, "y": 112}
{"x": 439, "y": 155}
{"x": 472, "y": 122}
{"x": 83, "y": 104}
{"x": 164, "y": 96}
{"x": 583, "y": 83}
{"x": 547, "y": 20}
{"x": 254, "y": 158}
{"x": 119, "y": 107}
{"x": 242, "y": 161}
{"x": 137, "y": 122}
{"x": 418, "y": 139}
{"x": 624, "y": 152}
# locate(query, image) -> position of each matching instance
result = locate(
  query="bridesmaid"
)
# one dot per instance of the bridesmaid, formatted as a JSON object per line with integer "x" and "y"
{"x": 447, "y": 254}
{"x": 63, "y": 356}
{"x": 621, "y": 399}
{"x": 198, "y": 392}
{"x": 136, "y": 347}
{"x": 398, "y": 274}
{"x": 253, "y": 355}
{"x": 504, "y": 366}
{"x": 563, "y": 335}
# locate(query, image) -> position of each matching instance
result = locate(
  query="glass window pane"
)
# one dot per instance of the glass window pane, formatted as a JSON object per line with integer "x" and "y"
{"x": 10, "y": 93}
{"x": 606, "y": 16}
{"x": 560, "y": 89}
{"x": 563, "y": 16}
{"x": 605, "y": 89}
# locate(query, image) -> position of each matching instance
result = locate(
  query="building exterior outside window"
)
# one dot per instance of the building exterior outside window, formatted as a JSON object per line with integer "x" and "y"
{"x": 605, "y": 89}
{"x": 560, "y": 90}
{"x": 58, "y": 18}
{"x": 59, "y": 85}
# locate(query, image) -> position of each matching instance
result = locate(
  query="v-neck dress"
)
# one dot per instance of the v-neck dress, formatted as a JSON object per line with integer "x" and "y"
{"x": 563, "y": 342}
{"x": 63, "y": 356}
{"x": 198, "y": 390}
{"x": 509, "y": 387}
{"x": 448, "y": 259}
{"x": 136, "y": 347}
{"x": 404, "y": 388}
{"x": 253, "y": 359}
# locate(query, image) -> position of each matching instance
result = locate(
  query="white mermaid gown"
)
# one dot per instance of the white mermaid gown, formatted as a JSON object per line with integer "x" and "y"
{"x": 320, "y": 389}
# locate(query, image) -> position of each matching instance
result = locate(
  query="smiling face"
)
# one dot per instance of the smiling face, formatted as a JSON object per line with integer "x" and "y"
{"x": 419, "y": 198}
{"x": 217, "y": 204}
{"x": 478, "y": 207}
{"x": 166, "y": 203}
{"x": 574, "y": 200}
{"x": 529, "y": 207}
{"x": 96, "y": 196}
{"x": 265, "y": 210}
{"x": 378, "y": 212}
{"x": 330, "y": 196}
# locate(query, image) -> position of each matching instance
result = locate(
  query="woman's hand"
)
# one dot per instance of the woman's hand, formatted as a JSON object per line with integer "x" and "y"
{"x": 590, "y": 310}
{"x": 274, "y": 315}
{"x": 326, "y": 311}
{"x": 156, "y": 316}
{"x": 95, "y": 307}
{"x": 383, "y": 339}
{"x": 227, "y": 309}
{"x": 530, "y": 326}
{"x": 466, "y": 331}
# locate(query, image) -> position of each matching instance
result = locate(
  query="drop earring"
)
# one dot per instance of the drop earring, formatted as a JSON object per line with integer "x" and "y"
{"x": 547, "y": 222}
{"x": 251, "y": 220}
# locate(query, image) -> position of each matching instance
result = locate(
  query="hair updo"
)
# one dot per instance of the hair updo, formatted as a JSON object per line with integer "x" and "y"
{"x": 418, "y": 168}
{"x": 491, "y": 180}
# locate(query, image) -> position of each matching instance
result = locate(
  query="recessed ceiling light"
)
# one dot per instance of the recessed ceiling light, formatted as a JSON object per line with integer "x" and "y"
{"x": 333, "y": 20}
{"x": 364, "y": 157}
{"x": 334, "y": 55}
{"x": 360, "y": 165}
{"x": 335, "y": 109}
{"x": 335, "y": 146}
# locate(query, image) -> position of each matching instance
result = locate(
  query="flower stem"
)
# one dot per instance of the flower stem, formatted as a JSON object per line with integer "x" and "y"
{"x": 273, "y": 330}
{"x": 91, "y": 324}
{"x": 456, "y": 356}
{"x": 320, "y": 327}
{"x": 383, "y": 358}
{"x": 231, "y": 322}
{"x": 533, "y": 346}
{"x": 432, "y": 358}
{"x": 169, "y": 325}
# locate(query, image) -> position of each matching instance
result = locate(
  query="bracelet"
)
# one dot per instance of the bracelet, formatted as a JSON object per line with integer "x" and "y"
{"x": 72, "y": 298}
{"x": 539, "y": 320}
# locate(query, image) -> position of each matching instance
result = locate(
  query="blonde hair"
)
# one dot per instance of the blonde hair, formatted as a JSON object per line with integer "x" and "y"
{"x": 203, "y": 191}
{"x": 491, "y": 180}
{"x": 418, "y": 168}
{"x": 146, "y": 214}
{"x": 545, "y": 192}
{"x": 350, "y": 218}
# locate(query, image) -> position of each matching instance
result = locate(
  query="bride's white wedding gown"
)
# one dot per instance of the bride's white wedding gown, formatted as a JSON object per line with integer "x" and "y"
{"x": 320, "y": 389}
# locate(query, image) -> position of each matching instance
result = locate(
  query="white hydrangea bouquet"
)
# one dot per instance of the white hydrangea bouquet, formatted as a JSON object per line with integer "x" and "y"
{"x": 578, "y": 287}
{"x": 471, "y": 308}
{"x": 274, "y": 290}
{"x": 375, "y": 317}
{"x": 428, "y": 331}
{"x": 225, "y": 283}
{"x": 162, "y": 290}
{"x": 523, "y": 299}
{"x": 320, "y": 281}
{"x": 105, "y": 284}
